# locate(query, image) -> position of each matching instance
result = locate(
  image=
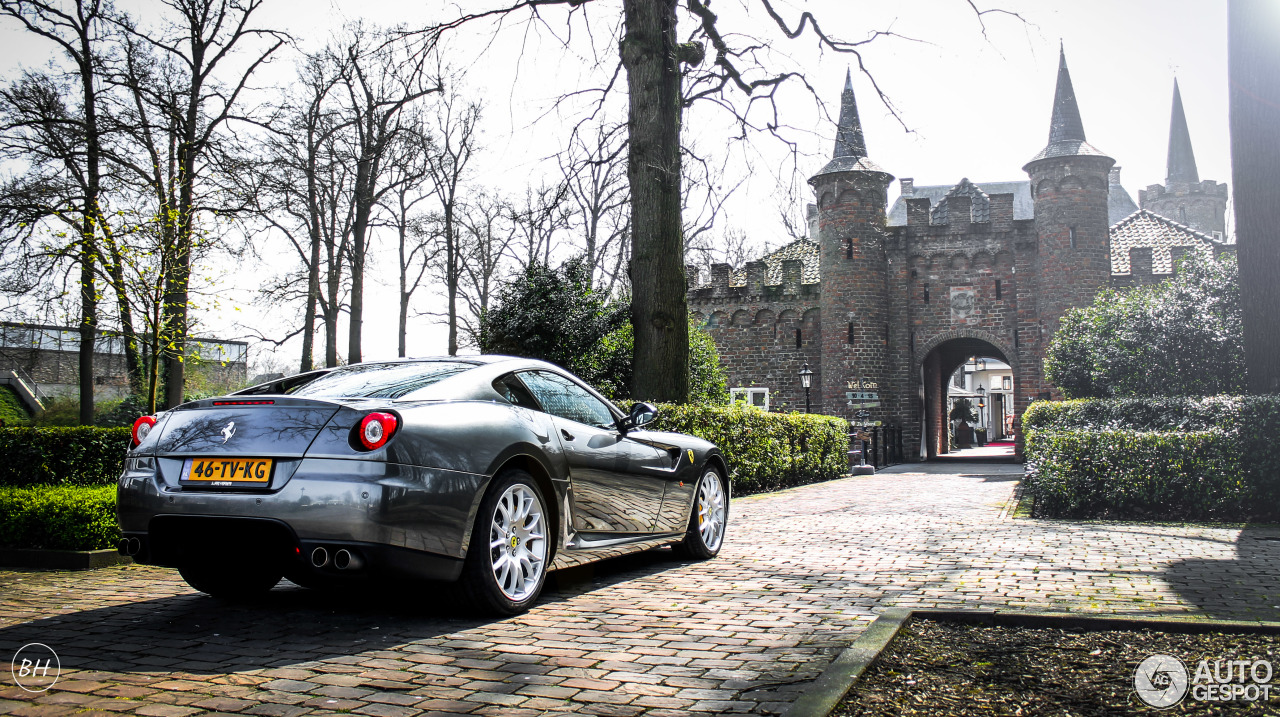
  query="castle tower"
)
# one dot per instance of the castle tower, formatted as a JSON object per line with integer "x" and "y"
{"x": 851, "y": 235}
{"x": 1069, "y": 184}
{"x": 1183, "y": 197}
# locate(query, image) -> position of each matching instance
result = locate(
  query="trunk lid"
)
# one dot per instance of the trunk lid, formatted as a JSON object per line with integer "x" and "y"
{"x": 258, "y": 426}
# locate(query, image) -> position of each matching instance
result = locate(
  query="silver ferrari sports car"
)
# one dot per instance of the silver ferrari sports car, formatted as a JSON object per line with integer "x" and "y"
{"x": 489, "y": 470}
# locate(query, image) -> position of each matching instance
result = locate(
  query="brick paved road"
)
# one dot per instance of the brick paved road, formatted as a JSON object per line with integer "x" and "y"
{"x": 803, "y": 571}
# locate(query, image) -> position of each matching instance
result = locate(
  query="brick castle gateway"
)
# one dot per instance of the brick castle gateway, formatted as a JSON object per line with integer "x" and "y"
{"x": 886, "y": 305}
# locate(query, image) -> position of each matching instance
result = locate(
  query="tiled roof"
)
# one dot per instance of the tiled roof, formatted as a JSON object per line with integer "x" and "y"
{"x": 1023, "y": 206}
{"x": 802, "y": 249}
{"x": 1146, "y": 229}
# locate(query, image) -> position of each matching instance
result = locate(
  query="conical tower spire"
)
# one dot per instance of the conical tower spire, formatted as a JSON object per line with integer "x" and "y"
{"x": 1065, "y": 124}
{"x": 1066, "y": 131}
{"x": 1182, "y": 161}
{"x": 850, "y": 153}
{"x": 849, "y": 139}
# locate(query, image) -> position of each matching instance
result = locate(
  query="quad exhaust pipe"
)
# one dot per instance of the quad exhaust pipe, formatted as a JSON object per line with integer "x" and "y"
{"x": 129, "y": 546}
{"x": 319, "y": 557}
{"x": 346, "y": 560}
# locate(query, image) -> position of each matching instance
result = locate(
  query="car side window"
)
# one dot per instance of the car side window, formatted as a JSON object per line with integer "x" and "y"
{"x": 566, "y": 399}
{"x": 510, "y": 388}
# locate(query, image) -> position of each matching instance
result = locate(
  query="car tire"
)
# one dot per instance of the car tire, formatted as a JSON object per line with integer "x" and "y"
{"x": 510, "y": 549}
{"x": 708, "y": 520}
{"x": 231, "y": 582}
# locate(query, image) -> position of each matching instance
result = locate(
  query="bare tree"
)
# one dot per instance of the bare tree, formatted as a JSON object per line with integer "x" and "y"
{"x": 417, "y": 246}
{"x": 380, "y": 78}
{"x": 199, "y": 38}
{"x": 596, "y": 181}
{"x": 486, "y": 242}
{"x": 541, "y": 218}
{"x": 48, "y": 133}
{"x": 304, "y": 192}
{"x": 454, "y": 130}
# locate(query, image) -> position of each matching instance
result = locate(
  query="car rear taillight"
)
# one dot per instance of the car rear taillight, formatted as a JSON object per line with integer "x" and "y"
{"x": 142, "y": 427}
{"x": 376, "y": 429}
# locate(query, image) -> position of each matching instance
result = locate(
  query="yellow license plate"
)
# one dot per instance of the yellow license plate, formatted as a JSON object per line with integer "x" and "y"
{"x": 229, "y": 470}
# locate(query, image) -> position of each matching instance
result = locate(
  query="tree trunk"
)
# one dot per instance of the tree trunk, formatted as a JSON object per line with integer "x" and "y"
{"x": 313, "y": 297}
{"x": 88, "y": 318}
{"x": 658, "y": 307}
{"x": 451, "y": 274}
{"x": 1253, "y": 69}
{"x": 404, "y": 283}
{"x": 359, "y": 239}
{"x": 177, "y": 284}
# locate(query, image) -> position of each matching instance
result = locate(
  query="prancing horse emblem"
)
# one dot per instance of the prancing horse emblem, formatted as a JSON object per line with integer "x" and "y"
{"x": 229, "y": 431}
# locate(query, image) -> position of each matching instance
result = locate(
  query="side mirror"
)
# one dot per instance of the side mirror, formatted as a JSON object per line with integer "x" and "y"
{"x": 641, "y": 414}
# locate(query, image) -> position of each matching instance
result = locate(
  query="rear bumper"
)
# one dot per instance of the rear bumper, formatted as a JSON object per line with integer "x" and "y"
{"x": 398, "y": 516}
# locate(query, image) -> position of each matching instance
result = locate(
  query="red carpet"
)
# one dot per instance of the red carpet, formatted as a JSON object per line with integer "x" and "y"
{"x": 1001, "y": 443}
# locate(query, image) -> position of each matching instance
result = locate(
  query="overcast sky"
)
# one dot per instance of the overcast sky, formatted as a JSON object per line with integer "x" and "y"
{"x": 973, "y": 106}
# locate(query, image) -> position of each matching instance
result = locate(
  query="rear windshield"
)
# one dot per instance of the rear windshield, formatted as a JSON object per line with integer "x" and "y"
{"x": 381, "y": 380}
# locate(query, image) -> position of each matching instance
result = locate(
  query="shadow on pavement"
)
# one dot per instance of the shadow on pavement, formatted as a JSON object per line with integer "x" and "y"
{"x": 290, "y": 625}
{"x": 1246, "y": 587}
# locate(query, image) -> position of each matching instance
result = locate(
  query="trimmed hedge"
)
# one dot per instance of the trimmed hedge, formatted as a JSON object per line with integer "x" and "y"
{"x": 765, "y": 451}
{"x": 1215, "y": 458}
{"x": 62, "y": 456}
{"x": 59, "y": 518}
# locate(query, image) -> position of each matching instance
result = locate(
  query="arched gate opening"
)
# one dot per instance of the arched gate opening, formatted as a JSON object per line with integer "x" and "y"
{"x": 988, "y": 386}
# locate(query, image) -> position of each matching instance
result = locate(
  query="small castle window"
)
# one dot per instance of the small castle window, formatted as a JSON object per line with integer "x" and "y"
{"x": 926, "y": 293}
{"x": 850, "y": 333}
{"x": 848, "y": 249}
{"x": 798, "y": 340}
{"x": 1182, "y": 213}
{"x": 1071, "y": 232}
{"x": 997, "y": 288}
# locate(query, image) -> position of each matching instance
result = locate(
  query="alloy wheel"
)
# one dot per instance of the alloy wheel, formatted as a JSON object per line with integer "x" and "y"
{"x": 712, "y": 508}
{"x": 518, "y": 542}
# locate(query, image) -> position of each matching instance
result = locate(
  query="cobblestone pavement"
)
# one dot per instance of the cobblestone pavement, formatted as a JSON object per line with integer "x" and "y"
{"x": 802, "y": 573}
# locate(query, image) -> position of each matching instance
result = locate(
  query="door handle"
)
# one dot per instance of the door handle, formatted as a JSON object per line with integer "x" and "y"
{"x": 567, "y": 435}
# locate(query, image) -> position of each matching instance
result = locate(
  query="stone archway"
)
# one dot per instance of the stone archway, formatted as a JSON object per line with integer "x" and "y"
{"x": 941, "y": 356}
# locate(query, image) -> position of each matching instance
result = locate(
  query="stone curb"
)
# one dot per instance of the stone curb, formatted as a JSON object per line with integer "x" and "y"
{"x": 831, "y": 686}
{"x": 834, "y": 683}
{"x": 61, "y": 559}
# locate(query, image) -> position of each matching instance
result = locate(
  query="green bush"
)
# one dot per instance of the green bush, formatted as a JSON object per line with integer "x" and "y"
{"x": 1189, "y": 326}
{"x": 67, "y": 518}
{"x": 1169, "y": 458}
{"x": 608, "y": 367}
{"x": 765, "y": 451}
{"x": 1193, "y": 475}
{"x": 62, "y": 456}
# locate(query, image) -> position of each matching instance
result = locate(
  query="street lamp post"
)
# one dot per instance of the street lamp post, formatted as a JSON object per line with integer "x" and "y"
{"x": 806, "y": 378}
{"x": 982, "y": 404}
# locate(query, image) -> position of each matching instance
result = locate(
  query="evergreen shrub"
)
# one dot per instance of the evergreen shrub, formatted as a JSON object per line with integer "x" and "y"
{"x": 764, "y": 451}
{"x": 59, "y": 518}
{"x": 62, "y": 456}
{"x": 1169, "y": 458}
